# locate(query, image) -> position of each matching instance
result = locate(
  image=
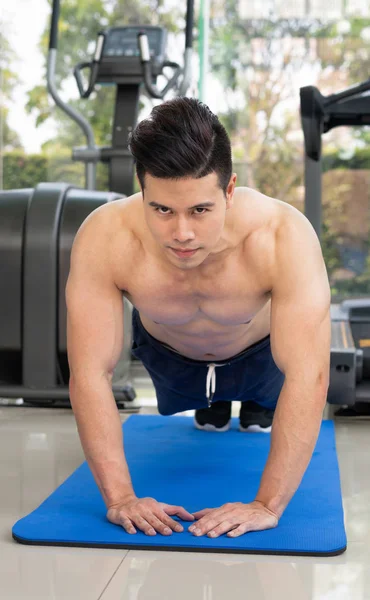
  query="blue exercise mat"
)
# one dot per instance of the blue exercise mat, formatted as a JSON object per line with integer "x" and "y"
{"x": 175, "y": 463}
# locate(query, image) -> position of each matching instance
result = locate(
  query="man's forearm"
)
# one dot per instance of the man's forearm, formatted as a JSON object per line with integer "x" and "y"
{"x": 100, "y": 430}
{"x": 295, "y": 430}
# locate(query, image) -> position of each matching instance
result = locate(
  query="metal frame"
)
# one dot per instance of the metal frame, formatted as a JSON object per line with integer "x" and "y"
{"x": 118, "y": 156}
{"x": 320, "y": 114}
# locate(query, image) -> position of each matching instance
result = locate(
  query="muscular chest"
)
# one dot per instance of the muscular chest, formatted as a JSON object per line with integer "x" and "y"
{"x": 226, "y": 296}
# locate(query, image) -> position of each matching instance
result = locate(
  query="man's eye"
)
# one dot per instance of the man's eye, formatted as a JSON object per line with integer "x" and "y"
{"x": 163, "y": 208}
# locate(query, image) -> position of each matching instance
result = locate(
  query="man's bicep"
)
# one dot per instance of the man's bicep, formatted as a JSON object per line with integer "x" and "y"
{"x": 300, "y": 306}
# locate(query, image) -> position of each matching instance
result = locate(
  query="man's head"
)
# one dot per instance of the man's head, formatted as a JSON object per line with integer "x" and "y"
{"x": 183, "y": 159}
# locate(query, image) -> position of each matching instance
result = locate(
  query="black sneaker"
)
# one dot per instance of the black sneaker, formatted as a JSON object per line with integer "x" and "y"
{"x": 216, "y": 418}
{"x": 255, "y": 418}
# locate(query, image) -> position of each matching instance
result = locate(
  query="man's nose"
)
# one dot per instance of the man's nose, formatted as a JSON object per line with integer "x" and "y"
{"x": 183, "y": 231}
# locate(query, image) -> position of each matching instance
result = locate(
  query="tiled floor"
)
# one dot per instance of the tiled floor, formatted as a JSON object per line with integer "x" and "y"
{"x": 40, "y": 448}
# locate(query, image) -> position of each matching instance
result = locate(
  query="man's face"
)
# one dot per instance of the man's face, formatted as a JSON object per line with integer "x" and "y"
{"x": 187, "y": 214}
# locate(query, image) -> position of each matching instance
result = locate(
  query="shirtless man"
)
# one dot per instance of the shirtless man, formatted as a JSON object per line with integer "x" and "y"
{"x": 244, "y": 316}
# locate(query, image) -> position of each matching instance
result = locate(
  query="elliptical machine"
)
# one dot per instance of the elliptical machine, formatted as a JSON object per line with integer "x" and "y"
{"x": 127, "y": 57}
{"x": 38, "y": 226}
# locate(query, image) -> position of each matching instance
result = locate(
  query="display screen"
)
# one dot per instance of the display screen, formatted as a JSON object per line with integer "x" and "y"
{"x": 123, "y": 41}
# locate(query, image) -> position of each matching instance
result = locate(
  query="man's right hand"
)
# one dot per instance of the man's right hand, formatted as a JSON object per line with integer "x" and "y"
{"x": 148, "y": 515}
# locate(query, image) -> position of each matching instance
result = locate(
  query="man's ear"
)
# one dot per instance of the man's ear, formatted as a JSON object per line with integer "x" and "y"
{"x": 230, "y": 191}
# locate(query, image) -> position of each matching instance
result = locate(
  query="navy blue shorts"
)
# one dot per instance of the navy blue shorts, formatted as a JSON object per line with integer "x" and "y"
{"x": 181, "y": 383}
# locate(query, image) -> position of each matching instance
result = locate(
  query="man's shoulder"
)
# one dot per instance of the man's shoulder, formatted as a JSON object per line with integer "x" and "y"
{"x": 260, "y": 207}
{"x": 271, "y": 212}
{"x": 297, "y": 247}
{"x": 260, "y": 216}
{"x": 119, "y": 217}
{"x": 277, "y": 230}
{"x": 294, "y": 227}
{"x": 107, "y": 235}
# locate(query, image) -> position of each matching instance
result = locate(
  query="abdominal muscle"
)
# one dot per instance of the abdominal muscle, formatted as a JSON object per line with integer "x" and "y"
{"x": 202, "y": 338}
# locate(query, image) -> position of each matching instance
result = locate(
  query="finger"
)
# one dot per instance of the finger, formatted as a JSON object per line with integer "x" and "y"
{"x": 213, "y": 519}
{"x": 250, "y": 526}
{"x": 240, "y": 530}
{"x": 224, "y": 527}
{"x": 126, "y": 524}
{"x": 119, "y": 518}
{"x": 174, "y": 525}
{"x": 202, "y": 513}
{"x": 203, "y": 527}
{"x": 179, "y": 511}
{"x": 213, "y": 513}
{"x": 159, "y": 524}
{"x": 142, "y": 524}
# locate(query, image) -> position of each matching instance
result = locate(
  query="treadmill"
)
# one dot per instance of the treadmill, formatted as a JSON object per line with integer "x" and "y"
{"x": 349, "y": 387}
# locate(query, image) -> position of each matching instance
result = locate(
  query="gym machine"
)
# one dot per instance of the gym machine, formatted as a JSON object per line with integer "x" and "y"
{"x": 37, "y": 229}
{"x": 350, "y": 320}
{"x": 38, "y": 226}
{"x": 126, "y": 57}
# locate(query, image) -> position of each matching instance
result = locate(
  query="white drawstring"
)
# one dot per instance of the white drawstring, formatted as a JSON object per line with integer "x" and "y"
{"x": 211, "y": 381}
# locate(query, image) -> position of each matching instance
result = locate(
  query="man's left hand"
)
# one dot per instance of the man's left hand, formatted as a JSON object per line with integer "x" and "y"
{"x": 234, "y": 518}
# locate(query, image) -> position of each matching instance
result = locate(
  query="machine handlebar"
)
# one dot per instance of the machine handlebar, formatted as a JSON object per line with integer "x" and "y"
{"x": 94, "y": 69}
{"x": 147, "y": 71}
